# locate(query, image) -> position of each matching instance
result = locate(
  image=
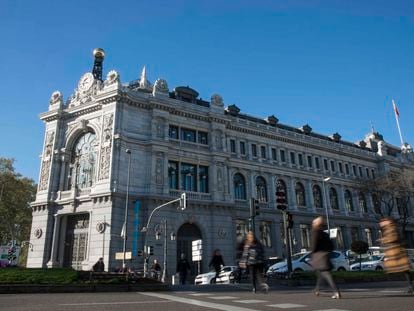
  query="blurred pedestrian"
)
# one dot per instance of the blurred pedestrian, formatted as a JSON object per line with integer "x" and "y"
{"x": 183, "y": 266}
{"x": 156, "y": 269}
{"x": 239, "y": 255}
{"x": 217, "y": 263}
{"x": 253, "y": 259}
{"x": 396, "y": 258}
{"x": 321, "y": 249}
{"x": 99, "y": 266}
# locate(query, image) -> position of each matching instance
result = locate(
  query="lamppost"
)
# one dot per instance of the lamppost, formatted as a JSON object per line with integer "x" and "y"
{"x": 128, "y": 151}
{"x": 325, "y": 202}
{"x": 172, "y": 237}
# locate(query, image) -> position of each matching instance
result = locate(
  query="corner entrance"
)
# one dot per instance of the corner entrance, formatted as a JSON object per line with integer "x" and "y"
{"x": 76, "y": 241}
{"x": 185, "y": 235}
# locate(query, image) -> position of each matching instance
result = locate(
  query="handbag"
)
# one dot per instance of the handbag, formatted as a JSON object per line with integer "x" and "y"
{"x": 320, "y": 261}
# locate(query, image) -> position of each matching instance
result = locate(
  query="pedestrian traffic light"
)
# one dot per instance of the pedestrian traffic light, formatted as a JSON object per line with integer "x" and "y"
{"x": 281, "y": 200}
{"x": 289, "y": 220}
{"x": 254, "y": 207}
{"x": 150, "y": 250}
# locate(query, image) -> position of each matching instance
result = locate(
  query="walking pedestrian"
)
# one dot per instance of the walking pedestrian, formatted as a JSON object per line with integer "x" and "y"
{"x": 156, "y": 270}
{"x": 182, "y": 268}
{"x": 239, "y": 255}
{"x": 216, "y": 262}
{"x": 253, "y": 259}
{"x": 321, "y": 249}
{"x": 396, "y": 259}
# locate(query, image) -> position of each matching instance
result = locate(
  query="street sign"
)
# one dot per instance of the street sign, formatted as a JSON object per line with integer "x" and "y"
{"x": 120, "y": 255}
{"x": 333, "y": 233}
{"x": 197, "y": 250}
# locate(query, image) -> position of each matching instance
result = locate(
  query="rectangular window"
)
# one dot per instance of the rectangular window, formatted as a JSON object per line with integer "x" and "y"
{"x": 274, "y": 154}
{"x": 318, "y": 166}
{"x": 367, "y": 172}
{"x": 354, "y": 170}
{"x": 347, "y": 168}
{"x": 188, "y": 177}
{"x": 265, "y": 233}
{"x": 332, "y": 166}
{"x": 340, "y": 239}
{"x": 188, "y": 135}
{"x": 263, "y": 152}
{"x": 203, "y": 179}
{"x": 292, "y": 158}
{"x": 173, "y": 132}
{"x": 373, "y": 173}
{"x": 305, "y": 236}
{"x": 282, "y": 156}
{"x": 368, "y": 236}
{"x": 310, "y": 161}
{"x": 242, "y": 148}
{"x": 300, "y": 159}
{"x": 202, "y": 138}
{"x": 232, "y": 146}
{"x": 173, "y": 174}
{"x": 325, "y": 164}
{"x": 341, "y": 170}
{"x": 354, "y": 234}
{"x": 254, "y": 150}
{"x": 360, "y": 171}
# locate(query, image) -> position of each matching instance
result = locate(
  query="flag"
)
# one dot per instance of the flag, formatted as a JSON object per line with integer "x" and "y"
{"x": 397, "y": 113}
{"x": 123, "y": 231}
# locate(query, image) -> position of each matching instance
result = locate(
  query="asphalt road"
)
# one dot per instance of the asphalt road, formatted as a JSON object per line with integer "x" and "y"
{"x": 365, "y": 297}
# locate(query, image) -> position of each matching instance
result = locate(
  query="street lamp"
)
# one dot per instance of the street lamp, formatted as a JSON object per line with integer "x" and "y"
{"x": 128, "y": 151}
{"x": 325, "y": 202}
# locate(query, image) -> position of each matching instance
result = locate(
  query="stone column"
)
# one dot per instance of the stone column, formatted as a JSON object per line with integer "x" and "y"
{"x": 309, "y": 196}
{"x": 53, "y": 252}
{"x": 292, "y": 195}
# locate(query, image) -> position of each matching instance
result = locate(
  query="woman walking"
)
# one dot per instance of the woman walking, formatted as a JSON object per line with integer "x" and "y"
{"x": 217, "y": 263}
{"x": 396, "y": 259}
{"x": 321, "y": 248}
{"x": 253, "y": 259}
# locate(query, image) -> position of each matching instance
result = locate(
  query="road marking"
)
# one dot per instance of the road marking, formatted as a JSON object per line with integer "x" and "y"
{"x": 391, "y": 291}
{"x": 201, "y": 294}
{"x": 184, "y": 292}
{"x": 286, "y": 305}
{"x": 199, "y": 302}
{"x": 111, "y": 303}
{"x": 250, "y": 301}
{"x": 331, "y": 310}
{"x": 222, "y": 297}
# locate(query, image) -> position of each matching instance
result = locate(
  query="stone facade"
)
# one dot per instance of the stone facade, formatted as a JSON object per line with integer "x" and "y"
{"x": 179, "y": 143}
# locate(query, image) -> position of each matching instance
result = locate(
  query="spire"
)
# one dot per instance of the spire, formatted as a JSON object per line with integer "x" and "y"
{"x": 143, "y": 82}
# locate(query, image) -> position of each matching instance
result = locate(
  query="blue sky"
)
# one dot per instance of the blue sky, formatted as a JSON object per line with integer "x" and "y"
{"x": 333, "y": 64}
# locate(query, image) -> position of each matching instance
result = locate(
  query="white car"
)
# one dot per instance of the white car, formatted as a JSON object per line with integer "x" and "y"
{"x": 370, "y": 263}
{"x": 227, "y": 275}
{"x": 302, "y": 262}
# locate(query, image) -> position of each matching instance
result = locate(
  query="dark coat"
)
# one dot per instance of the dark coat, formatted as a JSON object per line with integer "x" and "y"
{"x": 183, "y": 266}
{"x": 216, "y": 262}
{"x": 321, "y": 248}
{"x": 99, "y": 266}
{"x": 253, "y": 254}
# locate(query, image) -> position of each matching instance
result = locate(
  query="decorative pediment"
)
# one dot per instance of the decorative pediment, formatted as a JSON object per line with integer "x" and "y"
{"x": 86, "y": 90}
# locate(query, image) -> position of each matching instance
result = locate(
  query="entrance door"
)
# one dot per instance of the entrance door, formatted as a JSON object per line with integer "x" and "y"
{"x": 76, "y": 241}
{"x": 185, "y": 235}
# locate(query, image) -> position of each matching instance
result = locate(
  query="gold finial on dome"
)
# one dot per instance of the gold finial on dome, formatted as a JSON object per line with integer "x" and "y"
{"x": 98, "y": 52}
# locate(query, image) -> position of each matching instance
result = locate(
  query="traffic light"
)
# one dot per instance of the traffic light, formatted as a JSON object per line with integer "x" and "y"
{"x": 254, "y": 207}
{"x": 281, "y": 200}
{"x": 140, "y": 253}
{"x": 150, "y": 250}
{"x": 183, "y": 201}
{"x": 289, "y": 220}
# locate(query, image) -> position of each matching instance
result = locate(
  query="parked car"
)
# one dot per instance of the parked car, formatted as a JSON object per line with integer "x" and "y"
{"x": 370, "y": 263}
{"x": 228, "y": 274}
{"x": 302, "y": 262}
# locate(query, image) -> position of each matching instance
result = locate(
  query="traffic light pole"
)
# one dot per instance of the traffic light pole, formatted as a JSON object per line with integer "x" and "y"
{"x": 287, "y": 243}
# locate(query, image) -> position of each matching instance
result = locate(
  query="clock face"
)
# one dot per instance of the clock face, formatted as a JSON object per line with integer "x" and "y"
{"x": 86, "y": 82}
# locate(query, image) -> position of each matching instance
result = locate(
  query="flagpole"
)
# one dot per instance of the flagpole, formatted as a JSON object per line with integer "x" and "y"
{"x": 398, "y": 122}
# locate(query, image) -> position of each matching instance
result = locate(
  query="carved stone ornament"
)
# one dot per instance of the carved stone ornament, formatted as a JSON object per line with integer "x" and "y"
{"x": 160, "y": 87}
{"x": 105, "y": 156}
{"x": 37, "y": 233}
{"x": 233, "y": 110}
{"x": 272, "y": 120}
{"x": 159, "y": 176}
{"x": 217, "y": 100}
{"x": 56, "y": 98}
{"x": 112, "y": 77}
{"x": 86, "y": 82}
{"x": 222, "y": 233}
{"x": 100, "y": 227}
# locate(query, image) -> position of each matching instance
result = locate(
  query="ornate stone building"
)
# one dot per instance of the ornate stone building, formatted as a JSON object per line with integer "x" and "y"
{"x": 180, "y": 143}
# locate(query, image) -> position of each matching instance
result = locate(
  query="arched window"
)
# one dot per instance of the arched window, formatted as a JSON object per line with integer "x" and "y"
{"x": 362, "y": 203}
{"x": 261, "y": 191}
{"x": 333, "y": 197}
{"x": 239, "y": 187}
{"x": 317, "y": 196}
{"x": 300, "y": 194}
{"x": 281, "y": 186}
{"x": 348, "y": 201}
{"x": 83, "y": 162}
{"x": 377, "y": 204}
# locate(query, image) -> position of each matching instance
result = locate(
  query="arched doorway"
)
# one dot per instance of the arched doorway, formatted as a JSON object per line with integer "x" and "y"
{"x": 185, "y": 235}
